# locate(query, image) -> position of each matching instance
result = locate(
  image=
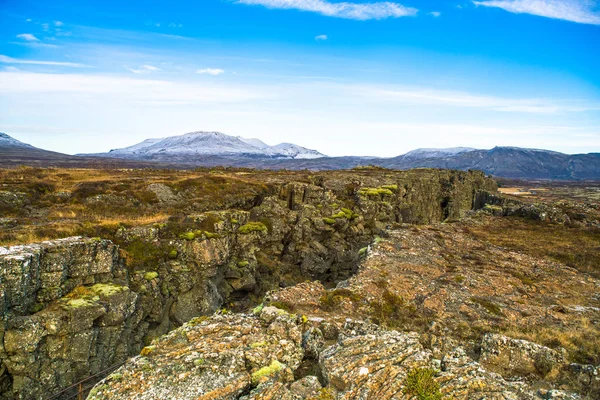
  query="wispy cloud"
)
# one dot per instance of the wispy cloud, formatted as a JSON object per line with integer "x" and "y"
{"x": 435, "y": 13}
{"x": 320, "y": 37}
{"x": 28, "y": 37}
{"x": 432, "y": 97}
{"x": 144, "y": 69}
{"x": 358, "y": 11}
{"x": 210, "y": 71}
{"x": 58, "y": 23}
{"x": 73, "y": 88}
{"x": 580, "y": 11}
{"x": 10, "y": 60}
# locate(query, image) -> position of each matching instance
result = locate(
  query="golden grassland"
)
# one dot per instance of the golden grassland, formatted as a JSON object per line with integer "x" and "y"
{"x": 577, "y": 247}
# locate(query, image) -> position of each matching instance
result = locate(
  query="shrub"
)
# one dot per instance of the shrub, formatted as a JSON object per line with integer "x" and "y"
{"x": 252, "y": 227}
{"x": 329, "y": 221}
{"x": 420, "y": 383}
{"x": 173, "y": 254}
{"x": 143, "y": 255}
{"x": 243, "y": 264}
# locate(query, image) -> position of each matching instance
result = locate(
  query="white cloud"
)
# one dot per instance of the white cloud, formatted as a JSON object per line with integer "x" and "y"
{"x": 58, "y": 23}
{"x": 46, "y": 27}
{"x": 144, "y": 69}
{"x": 174, "y": 25}
{"x": 358, "y": 11}
{"x": 35, "y": 44}
{"x": 105, "y": 88}
{"x": 321, "y": 37}
{"x": 28, "y": 20}
{"x": 210, "y": 71}
{"x": 28, "y": 37}
{"x": 10, "y": 60}
{"x": 11, "y": 69}
{"x": 580, "y": 11}
{"x": 431, "y": 97}
{"x": 435, "y": 13}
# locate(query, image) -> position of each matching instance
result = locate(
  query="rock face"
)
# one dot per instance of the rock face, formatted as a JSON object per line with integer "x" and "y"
{"x": 81, "y": 308}
{"x": 258, "y": 357}
{"x": 514, "y": 357}
{"x": 55, "y": 330}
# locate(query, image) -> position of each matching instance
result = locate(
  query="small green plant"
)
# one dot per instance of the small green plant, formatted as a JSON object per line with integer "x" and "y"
{"x": 393, "y": 188}
{"x": 420, "y": 383}
{"x": 258, "y": 309}
{"x": 147, "y": 350}
{"x": 268, "y": 371}
{"x": 150, "y": 276}
{"x": 252, "y": 227}
{"x": 243, "y": 263}
{"x": 173, "y": 254}
{"x": 362, "y": 252}
{"x": 329, "y": 221}
{"x": 459, "y": 279}
{"x": 187, "y": 236}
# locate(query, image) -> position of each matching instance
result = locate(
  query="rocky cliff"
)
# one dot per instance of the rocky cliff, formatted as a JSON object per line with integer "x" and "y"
{"x": 73, "y": 307}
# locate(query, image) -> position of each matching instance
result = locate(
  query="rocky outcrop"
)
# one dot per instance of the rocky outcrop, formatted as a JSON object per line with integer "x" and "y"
{"x": 82, "y": 308}
{"x": 259, "y": 357}
{"x": 55, "y": 330}
{"x": 560, "y": 212}
{"x": 513, "y": 357}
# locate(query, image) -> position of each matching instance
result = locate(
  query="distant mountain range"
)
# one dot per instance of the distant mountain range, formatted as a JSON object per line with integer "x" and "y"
{"x": 216, "y": 149}
{"x": 186, "y": 148}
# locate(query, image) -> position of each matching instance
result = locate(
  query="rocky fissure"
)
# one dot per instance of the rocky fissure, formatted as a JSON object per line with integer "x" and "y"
{"x": 80, "y": 305}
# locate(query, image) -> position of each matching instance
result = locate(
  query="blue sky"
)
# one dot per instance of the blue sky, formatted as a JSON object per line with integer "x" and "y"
{"x": 345, "y": 78}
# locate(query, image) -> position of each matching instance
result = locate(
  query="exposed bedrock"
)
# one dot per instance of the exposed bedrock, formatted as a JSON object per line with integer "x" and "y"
{"x": 76, "y": 306}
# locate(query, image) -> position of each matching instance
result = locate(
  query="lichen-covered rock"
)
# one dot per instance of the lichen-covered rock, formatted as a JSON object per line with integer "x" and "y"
{"x": 513, "y": 357}
{"x": 257, "y": 356}
{"x": 220, "y": 357}
{"x": 67, "y": 314}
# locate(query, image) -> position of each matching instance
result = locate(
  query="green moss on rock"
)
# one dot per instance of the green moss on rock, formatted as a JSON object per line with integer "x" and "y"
{"x": 252, "y": 227}
{"x": 150, "y": 276}
{"x": 266, "y": 372}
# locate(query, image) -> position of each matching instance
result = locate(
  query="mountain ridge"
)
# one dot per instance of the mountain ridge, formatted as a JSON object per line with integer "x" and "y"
{"x": 209, "y": 143}
{"x": 501, "y": 161}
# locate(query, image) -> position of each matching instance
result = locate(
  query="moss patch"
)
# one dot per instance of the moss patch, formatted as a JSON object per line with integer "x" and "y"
{"x": 252, "y": 227}
{"x": 108, "y": 289}
{"x": 266, "y": 372}
{"x": 150, "y": 276}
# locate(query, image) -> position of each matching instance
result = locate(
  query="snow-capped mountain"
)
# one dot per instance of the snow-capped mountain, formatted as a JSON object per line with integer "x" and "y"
{"x": 7, "y": 141}
{"x": 295, "y": 151}
{"x": 212, "y": 144}
{"x": 437, "y": 153}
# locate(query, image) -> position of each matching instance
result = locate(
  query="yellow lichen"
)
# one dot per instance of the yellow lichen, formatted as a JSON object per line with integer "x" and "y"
{"x": 266, "y": 372}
